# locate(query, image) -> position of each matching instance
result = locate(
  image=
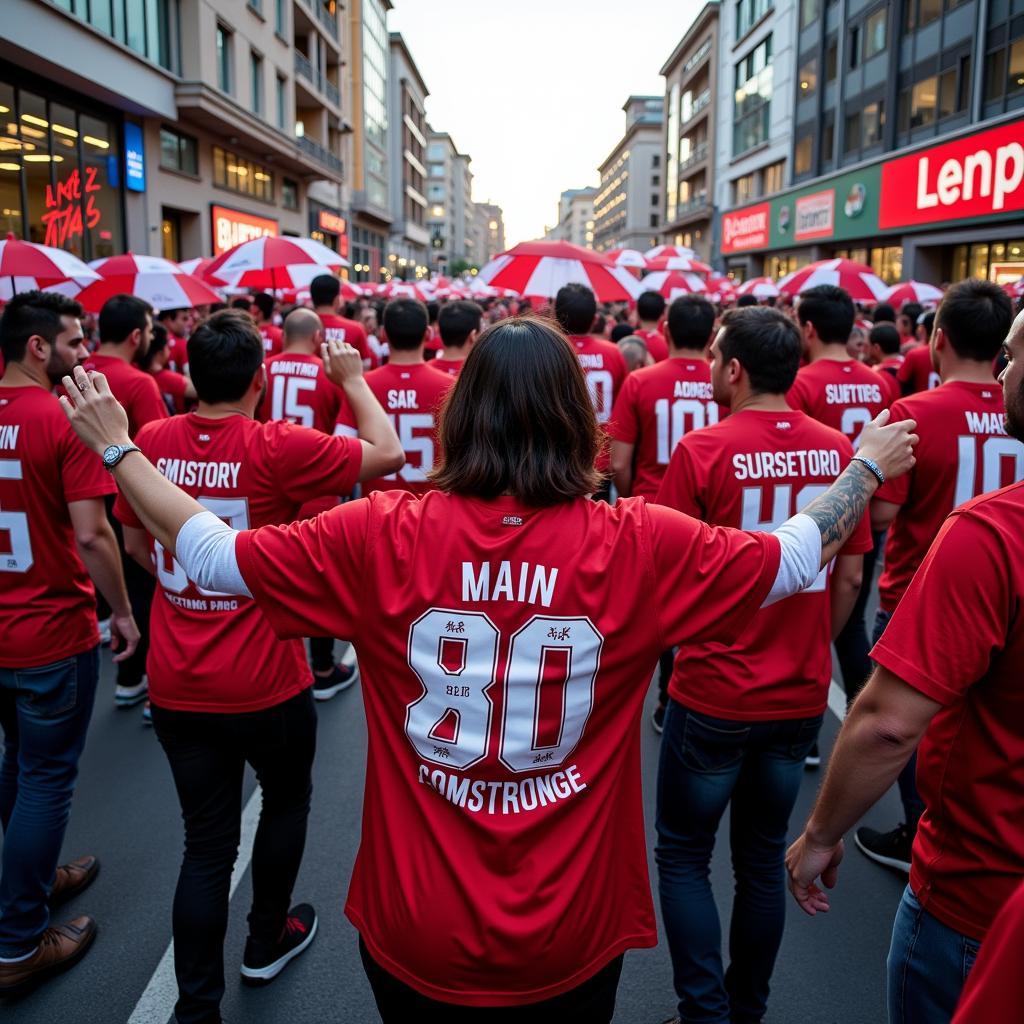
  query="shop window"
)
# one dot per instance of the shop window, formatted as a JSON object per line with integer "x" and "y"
{"x": 240, "y": 175}
{"x": 178, "y": 152}
{"x": 875, "y": 27}
{"x": 224, "y": 75}
{"x": 977, "y": 263}
{"x": 803, "y": 155}
{"x": 10, "y": 166}
{"x": 289, "y": 194}
{"x": 101, "y": 199}
{"x": 809, "y": 11}
{"x": 887, "y": 263}
{"x": 753, "y": 98}
{"x": 773, "y": 177}
{"x": 808, "y": 77}
{"x": 959, "y": 263}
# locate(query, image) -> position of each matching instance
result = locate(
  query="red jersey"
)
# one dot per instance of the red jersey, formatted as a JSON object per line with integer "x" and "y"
{"x": 888, "y": 369}
{"x": 754, "y": 471}
{"x": 958, "y": 637}
{"x": 411, "y": 395}
{"x": 172, "y": 389}
{"x": 453, "y": 367}
{"x": 842, "y": 394}
{"x": 655, "y": 408}
{"x": 215, "y": 652}
{"x": 177, "y": 353}
{"x": 605, "y": 370}
{"x": 656, "y": 344}
{"x": 47, "y": 601}
{"x": 299, "y": 391}
{"x": 963, "y": 452}
{"x": 340, "y": 328}
{"x": 135, "y": 389}
{"x": 917, "y": 372}
{"x": 504, "y": 673}
{"x": 272, "y": 339}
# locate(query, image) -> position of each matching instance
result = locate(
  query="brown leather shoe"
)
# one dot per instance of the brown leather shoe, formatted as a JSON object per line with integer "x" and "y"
{"x": 72, "y": 879}
{"x": 60, "y": 947}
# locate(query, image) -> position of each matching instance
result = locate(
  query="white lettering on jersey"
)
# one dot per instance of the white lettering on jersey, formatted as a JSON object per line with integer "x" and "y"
{"x": 779, "y": 465}
{"x": 187, "y": 473}
{"x": 334, "y": 333}
{"x": 985, "y": 422}
{"x": 484, "y": 796}
{"x": 294, "y": 369}
{"x": 9, "y": 435}
{"x": 852, "y": 394}
{"x": 476, "y": 583}
{"x": 589, "y": 361}
{"x": 692, "y": 389}
{"x": 402, "y": 398}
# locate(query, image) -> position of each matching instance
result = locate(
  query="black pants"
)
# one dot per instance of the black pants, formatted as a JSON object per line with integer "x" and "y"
{"x": 321, "y": 653}
{"x": 666, "y": 663}
{"x": 593, "y": 1002}
{"x": 208, "y": 754}
{"x": 852, "y": 644}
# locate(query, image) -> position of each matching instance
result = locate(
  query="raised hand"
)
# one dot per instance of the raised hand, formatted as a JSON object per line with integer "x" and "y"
{"x": 342, "y": 362}
{"x": 96, "y": 415}
{"x": 891, "y": 445}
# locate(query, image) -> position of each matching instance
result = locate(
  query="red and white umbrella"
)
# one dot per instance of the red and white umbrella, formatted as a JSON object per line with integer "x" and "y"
{"x": 541, "y": 268}
{"x": 914, "y": 291}
{"x": 401, "y": 290}
{"x": 27, "y": 266}
{"x": 760, "y": 288}
{"x": 660, "y": 251}
{"x": 197, "y": 268}
{"x": 1015, "y": 289}
{"x": 721, "y": 289}
{"x": 858, "y": 280}
{"x": 673, "y": 283}
{"x": 269, "y": 262}
{"x": 163, "y": 284}
{"x": 686, "y": 264}
{"x": 632, "y": 258}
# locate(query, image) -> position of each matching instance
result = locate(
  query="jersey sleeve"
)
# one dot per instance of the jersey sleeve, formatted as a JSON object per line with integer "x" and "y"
{"x": 928, "y": 643}
{"x": 625, "y": 423}
{"x": 311, "y": 464}
{"x": 708, "y": 581}
{"x": 81, "y": 471}
{"x": 345, "y": 424}
{"x": 679, "y": 487}
{"x": 309, "y": 577}
{"x": 897, "y": 489}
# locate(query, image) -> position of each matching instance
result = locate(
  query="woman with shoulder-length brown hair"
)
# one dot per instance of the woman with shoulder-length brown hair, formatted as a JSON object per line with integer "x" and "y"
{"x": 507, "y": 629}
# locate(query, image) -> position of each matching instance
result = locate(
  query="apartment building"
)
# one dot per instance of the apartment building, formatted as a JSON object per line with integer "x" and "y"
{"x": 449, "y": 202}
{"x": 575, "y": 217}
{"x": 494, "y": 239}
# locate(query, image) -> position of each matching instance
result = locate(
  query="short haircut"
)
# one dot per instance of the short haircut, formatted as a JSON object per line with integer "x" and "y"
{"x": 746, "y": 300}
{"x": 170, "y": 314}
{"x": 886, "y": 337}
{"x": 405, "y": 324}
{"x": 976, "y": 317}
{"x": 324, "y": 289}
{"x": 883, "y": 313}
{"x": 831, "y": 311}
{"x": 301, "y": 323}
{"x": 690, "y": 321}
{"x": 121, "y": 315}
{"x": 765, "y": 343}
{"x": 458, "y": 320}
{"x": 634, "y": 351}
{"x": 264, "y": 303}
{"x": 927, "y": 321}
{"x": 241, "y": 302}
{"x": 225, "y": 352}
{"x": 650, "y": 306}
{"x": 157, "y": 343}
{"x": 575, "y": 308}
{"x": 913, "y": 310}
{"x": 31, "y": 313}
{"x": 433, "y": 310}
{"x": 519, "y": 419}
{"x": 620, "y": 331}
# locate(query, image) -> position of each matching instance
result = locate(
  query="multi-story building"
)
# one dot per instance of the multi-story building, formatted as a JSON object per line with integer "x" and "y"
{"x": 171, "y": 127}
{"x": 463, "y": 211}
{"x": 691, "y": 88}
{"x": 449, "y": 202}
{"x": 407, "y": 92}
{"x": 494, "y": 240}
{"x": 627, "y": 207}
{"x": 906, "y": 151}
{"x": 575, "y": 217}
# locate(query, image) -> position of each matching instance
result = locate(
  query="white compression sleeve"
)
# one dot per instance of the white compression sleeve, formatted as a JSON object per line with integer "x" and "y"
{"x": 205, "y": 548}
{"x": 801, "y": 557}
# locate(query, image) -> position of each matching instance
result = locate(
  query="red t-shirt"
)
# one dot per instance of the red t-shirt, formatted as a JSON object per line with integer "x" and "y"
{"x": 656, "y": 407}
{"x": 656, "y": 344}
{"x": 340, "y": 328}
{"x": 963, "y": 451}
{"x": 888, "y": 369}
{"x": 47, "y": 601}
{"x": 503, "y": 858}
{"x": 842, "y": 394}
{"x": 605, "y": 370}
{"x": 958, "y": 637}
{"x": 917, "y": 372}
{"x": 216, "y": 652}
{"x": 177, "y": 353}
{"x": 754, "y": 471}
{"x": 411, "y": 395}
{"x": 172, "y": 389}
{"x": 271, "y": 339}
{"x": 135, "y": 389}
{"x": 453, "y": 367}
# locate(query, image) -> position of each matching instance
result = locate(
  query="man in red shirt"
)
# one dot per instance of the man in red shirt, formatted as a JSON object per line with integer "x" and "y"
{"x": 175, "y": 388}
{"x": 964, "y": 451}
{"x": 262, "y": 310}
{"x": 743, "y": 718}
{"x": 459, "y": 326}
{"x": 917, "y": 372}
{"x": 650, "y": 308}
{"x": 410, "y": 391}
{"x": 883, "y": 356}
{"x": 179, "y": 325}
{"x": 54, "y": 536}
{"x": 948, "y": 677}
{"x": 224, "y": 690}
{"x": 325, "y": 294}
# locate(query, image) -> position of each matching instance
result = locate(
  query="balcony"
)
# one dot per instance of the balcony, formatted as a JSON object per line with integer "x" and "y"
{"x": 700, "y": 103}
{"x": 702, "y": 52}
{"x": 699, "y": 154}
{"x": 304, "y": 69}
{"x": 315, "y": 150}
{"x": 326, "y": 19}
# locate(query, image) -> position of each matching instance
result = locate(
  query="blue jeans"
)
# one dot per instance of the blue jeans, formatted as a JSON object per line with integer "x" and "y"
{"x": 927, "y": 966}
{"x": 705, "y": 764}
{"x": 45, "y": 714}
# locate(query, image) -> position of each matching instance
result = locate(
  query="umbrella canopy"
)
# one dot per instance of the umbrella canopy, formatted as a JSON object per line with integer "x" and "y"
{"x": 401, "y": 290}
{"x": 660, "y": 251}
{"x": 197, "y": 268}
{"x": 914, "y": 291}
{"x": 673, "y": 283}
{"x": 686, "y": 264}
{"x": 269, "y": 262}
{"x": 760, "y": 288}
{"x": 628, "y": 258}
{"x": 1015, "y": 289}
{"x": 857, "y": 279}
{"x": 163, "y": 284}
{"x": 541, "y": 268}
{"x": 39, "y": 265}
{"x": 721, "y": 289}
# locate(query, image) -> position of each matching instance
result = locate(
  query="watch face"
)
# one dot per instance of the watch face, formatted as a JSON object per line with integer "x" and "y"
{"x": 111, "y": 455}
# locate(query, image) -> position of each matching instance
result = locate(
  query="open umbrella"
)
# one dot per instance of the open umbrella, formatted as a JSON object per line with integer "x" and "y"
{"x": 632, "y": 258}
{"x": 660, "y": 251}
{"x": 721, "y": 289}
{"x": 760, "y": 288}
{"x": 26, "y": 266}
{"x": 401, "y": 290}
{"x": 686, "y": 264}
{"x": 857, "y": 279}
{"x": 268, "y": 262}
{"x": 163, "y": 284}
{"x": 673, "y": 283}
{"x": 914, "y": 291}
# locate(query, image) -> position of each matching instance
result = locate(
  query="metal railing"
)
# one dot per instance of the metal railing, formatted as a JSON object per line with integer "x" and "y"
{"x": 700, "y": 103}
{"x": 304, "y": 69}
{"x": 696, "y": 203}
{"x": 318, "y": 152}
{"x": 702, "y": 52}
{"x": 700, "y": 153}
{"x": 324, "y": 17}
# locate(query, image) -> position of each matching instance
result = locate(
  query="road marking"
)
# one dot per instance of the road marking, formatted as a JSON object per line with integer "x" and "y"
{"x": 156, "y": 1004}
{"x": 837, "y": 700}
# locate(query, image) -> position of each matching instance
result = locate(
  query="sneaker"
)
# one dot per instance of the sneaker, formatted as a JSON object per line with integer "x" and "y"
{"x": 147, "y": 714}
{"x": 813, "y": 759}
{"x": 60, "y": 947}
{"x": 261, "y": 963}
{"x": 658, "y": 718}
{"x": 341, "y": 678}
{"x": 889, "y": 848}
{"x": 72, "y": 879}
{"x": 104, "y": 625}
{"x": 129, "y": 696}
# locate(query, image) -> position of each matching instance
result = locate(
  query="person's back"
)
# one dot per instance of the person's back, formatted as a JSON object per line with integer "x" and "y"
{"x": 917, "y": 372}
{"x": 262, "y": 310}
{"x": 458, "y": 323}
{"x": 650, "y": 308}
{"x": 325, "y": 292}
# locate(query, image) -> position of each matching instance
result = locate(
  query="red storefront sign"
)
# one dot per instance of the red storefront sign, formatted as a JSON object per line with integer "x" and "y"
{"x": 232, "y": 226}
{"x": 978, "y": 175}
{"x": 332, "y": 222}
{"x": 746, "y": 229}
{"x": 64, "y": 219}
{"x": 815, "y": 215}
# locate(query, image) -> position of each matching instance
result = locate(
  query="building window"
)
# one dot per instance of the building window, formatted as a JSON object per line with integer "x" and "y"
{"x": 240, "y": 175}
{"x": 224, "y": 77}
{"x": 289, "y": 194}
{"x": 654, "y": 220}
{"x": 279, "y": 17}
{"x": 828, "y": 142}
{"x": 808, "y": 77}
{"x": 654, "y": 200}
{"x": 749, "y": 13}
{"x": 947, "y": 93}
{"x": 744, "y": 189}
{"x": 873, "y": 122}
{"x": 831, "y": 59}
{"x": 256, "y": 81}
{"x": 874, "y": 32}
{"x": 144, "y": 26}
{"x": 809, "y": 11}
{"x": 851, "y": 137}
{"x": 803, "y": 155}
{"x": 753, "y": 98}
{"x": 854, "y": 47}
{"x": 922, "y": 102}
{"x": 282, "y": 103}
{"x": 656, "y": 160}
{"x": 963, "y": 99}
{"x": 922, "y": 12}
{"x": 178, "y": 152}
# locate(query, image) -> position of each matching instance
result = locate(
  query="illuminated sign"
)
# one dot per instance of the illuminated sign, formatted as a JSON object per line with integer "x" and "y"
{"x": 232, "y": 226}
{"x": 815, "y": 215}
{"x": 71, "y": 208}
{"x": 745, "y": 229}
{"x": 332, "y": 222}
{"x": 134, "y": 158}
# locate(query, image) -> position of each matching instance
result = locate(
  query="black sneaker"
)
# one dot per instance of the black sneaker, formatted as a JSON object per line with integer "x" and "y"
{"x": 341, "y": 678}
{"x": 262, "y": 963}
{"x": 813, "y": 759}
{"x": 658, "y": 718}
{"x": 889, "y": 848}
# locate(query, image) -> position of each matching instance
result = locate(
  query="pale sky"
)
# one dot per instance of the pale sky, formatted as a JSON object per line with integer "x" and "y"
{"x": 533, "y": 90}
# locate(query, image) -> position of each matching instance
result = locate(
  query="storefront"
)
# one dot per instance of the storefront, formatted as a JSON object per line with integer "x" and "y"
{"x": 940, "y": 213}
{"x": 229, "y": 227}
{"x": 328, "y": 226}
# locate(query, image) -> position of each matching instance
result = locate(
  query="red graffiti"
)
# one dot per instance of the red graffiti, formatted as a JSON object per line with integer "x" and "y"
{"x": 64, "y": 218}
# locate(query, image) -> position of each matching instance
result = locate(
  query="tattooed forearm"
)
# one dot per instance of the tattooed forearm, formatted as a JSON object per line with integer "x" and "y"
{"x": 841, "y": 507}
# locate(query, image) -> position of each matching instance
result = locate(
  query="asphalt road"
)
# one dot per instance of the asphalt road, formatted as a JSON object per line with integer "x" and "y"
{"x": 831, "y": 969}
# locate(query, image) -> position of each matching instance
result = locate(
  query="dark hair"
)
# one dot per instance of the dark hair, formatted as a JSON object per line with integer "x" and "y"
{"x": 457, "y": 320}
{"x": 405, "y": 324}
{"x": 157, "y": 343}
{"x": 883, "y": 313}
{"x": 831, "y": 311}
{"x": 170, "y": 314}
{"x": 519, "y": 419}
{"x": 264, "y": 303}
{"x": 913, "y": 310}
{"x": 324, "y": 289}
{"x": 433, "y": 310}
{"x": 765, "y": 343}
{"x": 31, "y": 313}
{"x": 976, "y": 317}
{"x": 690, "y": 321}
{"x": 121, "y": 315}
{"x": 241, "y": 302}
{"x": 575, "y": 308}
{"x": 886, "y": 337}
{"x": 650, "y": 306}
{"x": 927, "y": 321}
{"x": 620, "y": 331}
{"x": 746, "y": 300}
{"x": 225, "y": 352}
{"x": 215, "y": 307}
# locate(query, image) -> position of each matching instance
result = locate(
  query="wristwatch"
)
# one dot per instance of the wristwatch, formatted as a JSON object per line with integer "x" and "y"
{"x": 114, "y": 453}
